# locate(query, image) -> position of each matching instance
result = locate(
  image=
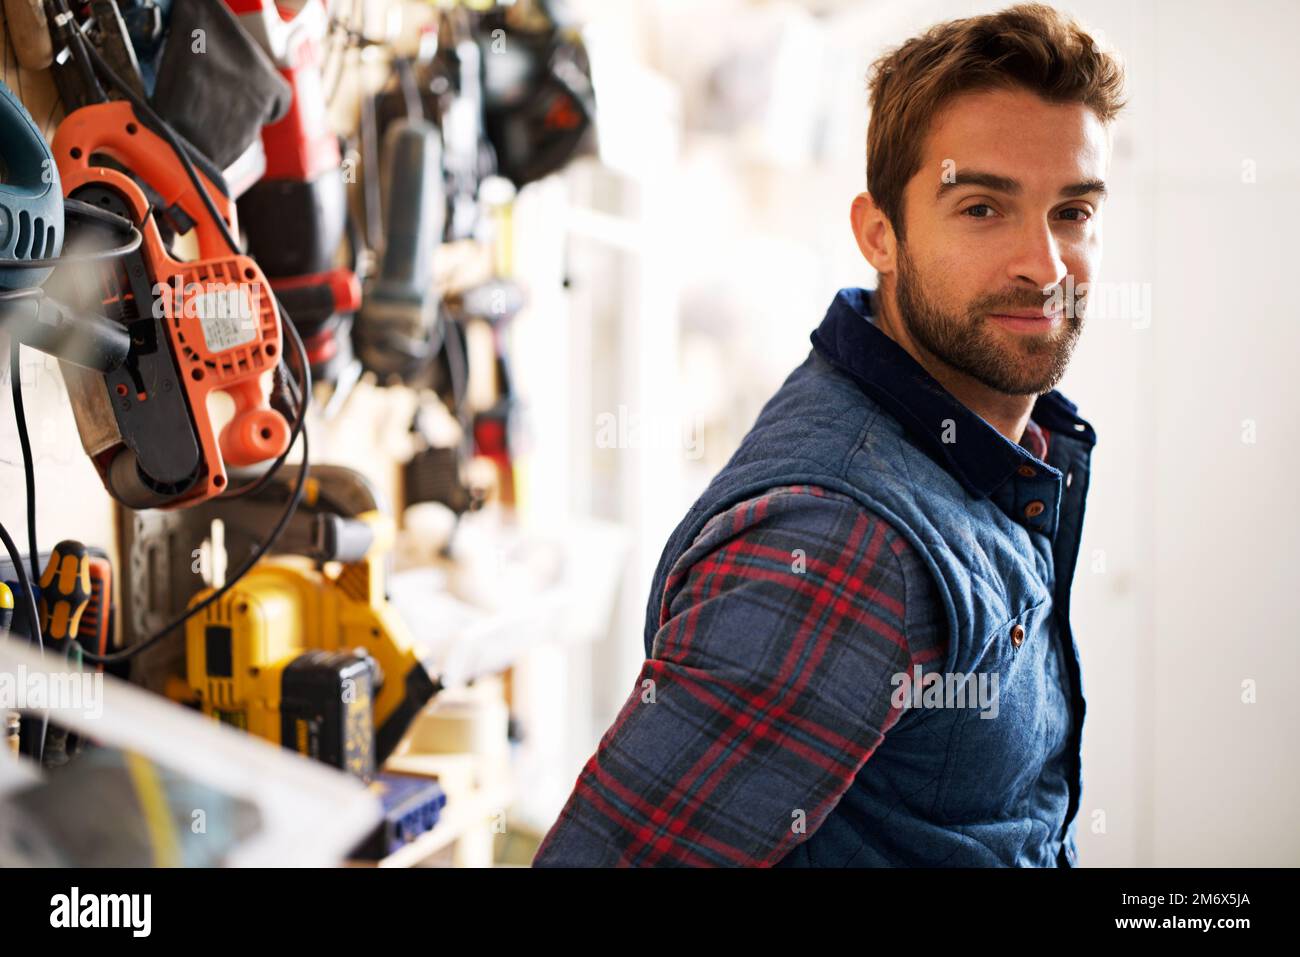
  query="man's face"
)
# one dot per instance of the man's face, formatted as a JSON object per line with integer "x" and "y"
{"x": 1005, "y": 206}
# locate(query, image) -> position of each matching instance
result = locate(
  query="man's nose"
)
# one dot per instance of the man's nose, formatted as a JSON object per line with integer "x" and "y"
{"x": 1036, "y": 257}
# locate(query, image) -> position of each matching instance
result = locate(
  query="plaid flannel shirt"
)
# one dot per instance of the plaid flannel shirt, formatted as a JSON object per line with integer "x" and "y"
{"x": 783, "y": 628}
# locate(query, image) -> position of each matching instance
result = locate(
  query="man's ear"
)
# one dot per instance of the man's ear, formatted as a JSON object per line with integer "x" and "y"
{"x": 874, "y": 233}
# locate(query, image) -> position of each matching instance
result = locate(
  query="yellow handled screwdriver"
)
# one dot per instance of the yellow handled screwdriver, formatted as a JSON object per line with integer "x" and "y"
{"x": 6, "y": 619}
{"x": 6, "y": 607}
{"x": 65, "y": 593}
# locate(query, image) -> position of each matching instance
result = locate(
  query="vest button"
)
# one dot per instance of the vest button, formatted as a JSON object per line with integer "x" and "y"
{"x": 1027, "y": 471}
{"x": 1034, "y": 509}
{"x": 1017, "y": 635}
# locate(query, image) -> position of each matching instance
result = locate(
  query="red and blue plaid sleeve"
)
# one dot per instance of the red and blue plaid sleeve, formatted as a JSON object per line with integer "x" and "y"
{"x": 768, "y": 689}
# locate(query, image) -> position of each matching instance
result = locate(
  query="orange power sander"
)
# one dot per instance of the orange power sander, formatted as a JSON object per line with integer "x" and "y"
{"x": 197, "y": 326}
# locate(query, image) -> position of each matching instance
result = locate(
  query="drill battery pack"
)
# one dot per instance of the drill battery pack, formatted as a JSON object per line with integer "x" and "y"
{"x": 326, "y": 709}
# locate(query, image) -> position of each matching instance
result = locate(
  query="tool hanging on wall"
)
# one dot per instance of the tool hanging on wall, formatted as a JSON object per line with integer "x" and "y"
{"x": 31, "y": 202}
{"x": 206, "y": 50}
{"x": 65, "y": 593}
{"x": 74, "y": 598}
{"x": 425, "y": 130}
{"x": 140, "y": 178}
{"x": 32, "y": 209}
{"x": 271, "y": 655}
{"x": 397, "y": 332}
{"x": 303, "y": 185}
{"x": 539, "y": 100}
{"x": 79, "y": 335}
{"x": 199, "y": 326}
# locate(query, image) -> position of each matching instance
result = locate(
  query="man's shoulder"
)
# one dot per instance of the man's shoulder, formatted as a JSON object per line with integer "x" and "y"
{"x": 803, "y": 519}
{"x": 806, "y": 432}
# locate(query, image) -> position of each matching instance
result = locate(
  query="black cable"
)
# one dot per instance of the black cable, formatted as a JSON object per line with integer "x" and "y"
{"x": 33, "y": 615}
{"x": 116, "y": 252}
{"x": 29, "y": 472}
{"x": 91, "y": 211}
{"x": 409, "y": 89}
{"x": 371, "y": 200}
{"x": 24, "y": 583}
{"x": 29, "y": 478}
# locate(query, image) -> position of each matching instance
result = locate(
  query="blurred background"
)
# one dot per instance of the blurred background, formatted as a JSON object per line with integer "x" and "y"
{"x": 672, "y": 274}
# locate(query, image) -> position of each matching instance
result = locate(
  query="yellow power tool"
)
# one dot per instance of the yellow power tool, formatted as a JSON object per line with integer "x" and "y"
{"x": 302, "y": 654}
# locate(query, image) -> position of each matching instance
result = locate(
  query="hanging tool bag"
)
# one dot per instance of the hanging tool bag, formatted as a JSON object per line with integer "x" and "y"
{"x": 215, "y": 84}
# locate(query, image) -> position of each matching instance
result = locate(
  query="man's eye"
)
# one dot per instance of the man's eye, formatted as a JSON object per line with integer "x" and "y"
{"x": 973, "y": 211}
{"x": 1082, "y": 215}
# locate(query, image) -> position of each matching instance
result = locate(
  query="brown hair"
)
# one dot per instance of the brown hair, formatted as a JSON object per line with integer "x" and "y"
{"x": 1030, "y": 46}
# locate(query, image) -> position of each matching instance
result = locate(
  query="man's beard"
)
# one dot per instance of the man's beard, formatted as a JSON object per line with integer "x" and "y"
{"x": 1027, "y": 365}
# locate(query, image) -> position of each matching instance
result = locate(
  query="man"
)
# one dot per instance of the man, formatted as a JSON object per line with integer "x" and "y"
{"x": 858, "y": 639}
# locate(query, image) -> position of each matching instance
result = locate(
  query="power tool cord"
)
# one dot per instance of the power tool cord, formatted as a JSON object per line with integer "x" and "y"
{"x": 33, "y": 616}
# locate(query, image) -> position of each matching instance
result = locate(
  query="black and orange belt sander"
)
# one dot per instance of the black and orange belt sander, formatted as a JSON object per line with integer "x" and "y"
{"x": 199, "y": 326}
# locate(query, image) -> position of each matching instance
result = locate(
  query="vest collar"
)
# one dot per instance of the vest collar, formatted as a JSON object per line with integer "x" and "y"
{"x": 975, "y": 453}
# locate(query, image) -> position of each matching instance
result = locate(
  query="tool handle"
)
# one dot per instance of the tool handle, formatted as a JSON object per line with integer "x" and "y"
{"x": 114, "y": 130}
{"x": 340, "y": 539}
{"x": 6, "y": 606}
{"x": 65, "y": 590}
{"x": 89, "y": 340}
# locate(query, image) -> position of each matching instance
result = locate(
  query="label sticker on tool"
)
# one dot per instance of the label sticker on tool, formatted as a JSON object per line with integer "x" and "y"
{"x": 226, "y": 316}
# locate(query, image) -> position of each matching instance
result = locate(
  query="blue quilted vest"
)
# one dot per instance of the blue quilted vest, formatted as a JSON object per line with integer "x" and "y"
{"x": 999, "y": 531}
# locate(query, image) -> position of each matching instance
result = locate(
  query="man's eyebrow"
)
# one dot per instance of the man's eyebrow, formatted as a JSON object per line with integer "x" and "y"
{"x": 999, "y": 184}
{"x": 1005, "y": 184}
{"x": 1084, "y": 188}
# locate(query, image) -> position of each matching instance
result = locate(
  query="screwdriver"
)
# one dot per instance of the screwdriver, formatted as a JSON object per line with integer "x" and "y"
{"x": 11, "y": 718}
{"x": 65, "y": 592}
{"x": 6, "y": 606}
